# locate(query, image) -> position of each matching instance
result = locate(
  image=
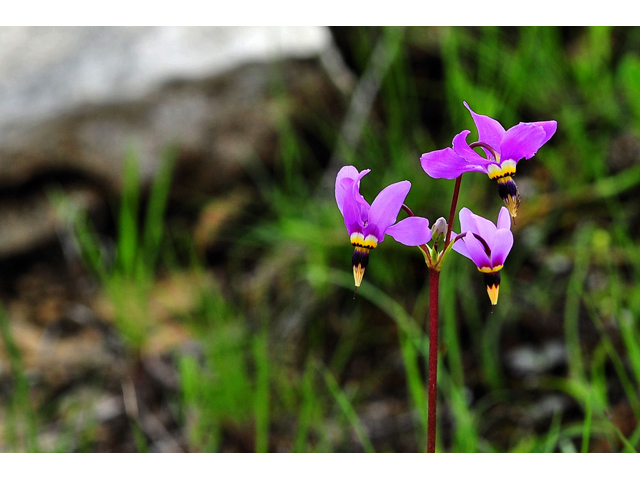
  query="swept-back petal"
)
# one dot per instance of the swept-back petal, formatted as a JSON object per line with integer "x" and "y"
{"x": 489, "y": 130}
{"x": 476, "y": 251}
{"x": 355, "y": 207}
{"x": 446, "y": 164}
{"x": 462, "y": 148}
{"x": 504, "y": 219}
{"x": 465, "y": 220}
{"x": 347, "y": 172}
{"x": 384, "y": 209}
{"x": 460, "y": 246}
{"x": 502, "y": 243}
{"x": 411, "y": 231}
{"x": 470, "y": 222}
{"x": 549, "y": 128}
{"x": 522, "y": 141}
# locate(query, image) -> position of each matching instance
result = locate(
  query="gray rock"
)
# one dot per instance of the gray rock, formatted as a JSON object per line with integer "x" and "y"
{"x": 77, "y": 97}
{"x": 45, "y": 72}
{"x": 76, "y": 100}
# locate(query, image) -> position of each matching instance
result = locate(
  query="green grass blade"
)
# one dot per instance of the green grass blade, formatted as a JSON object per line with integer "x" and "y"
{"x": 261, "y": 401}
{"x": 572, "y": 305}
{"x": 21, "y": 407}
{"x": 127, "y": 246}
{"x": 154, "y": 221}
{"x": 348, "y": 411}
{"x": 306, "y": 409}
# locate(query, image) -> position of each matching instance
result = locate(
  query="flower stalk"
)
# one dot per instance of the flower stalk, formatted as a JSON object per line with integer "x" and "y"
{"x": 452, "y": 211}
{"x": 432, "y": 395}
{"x": 434, "y": 289}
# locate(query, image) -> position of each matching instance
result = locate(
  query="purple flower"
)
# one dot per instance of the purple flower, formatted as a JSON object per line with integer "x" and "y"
{"x": 367, "y": 224}
{"x": 503, "y": 150}
{"x": 486, "y": 244}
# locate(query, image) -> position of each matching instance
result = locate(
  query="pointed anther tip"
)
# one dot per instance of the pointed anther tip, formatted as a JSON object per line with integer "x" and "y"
{"x": 358, "y": 273}
{"x": 493, "y": 291}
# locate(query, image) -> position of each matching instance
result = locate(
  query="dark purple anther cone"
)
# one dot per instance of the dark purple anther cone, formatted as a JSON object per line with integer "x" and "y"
{"x": 492, "y": 280}
{"x": 507, "y": 188}
{"x": 360, "y": 257}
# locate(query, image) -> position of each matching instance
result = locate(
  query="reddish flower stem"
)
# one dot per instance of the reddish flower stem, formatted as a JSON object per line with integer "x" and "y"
{"x": 452, "y": 212}
{"x": 434, "y": 287}
{"x": 434, "y": 281}
{"x": 408, "y": 210}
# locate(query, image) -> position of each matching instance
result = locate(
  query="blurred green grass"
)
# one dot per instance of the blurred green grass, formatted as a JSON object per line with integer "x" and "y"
{"x": 291, "y": 362}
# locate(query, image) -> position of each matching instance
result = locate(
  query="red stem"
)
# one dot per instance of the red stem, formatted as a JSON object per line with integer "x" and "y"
{"x": 408, "y": 210}
{"x": 434, "y": 280}
{"x": 434, "y": 284}
{"x": 452, "y": 212}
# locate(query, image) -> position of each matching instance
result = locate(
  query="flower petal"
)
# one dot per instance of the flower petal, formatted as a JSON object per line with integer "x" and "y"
{"x": 489, "y": 130}
{"x": 476, "y": 251}
{"x": 411, "y": 231}
{"x": 355, "y": 207}
{"x": 465, "y": 219}
{"x": 502, "y": 243}
{"x": 521, "y": 141}
{"x": 384, "y": 209}
{"x": 470, "y": 222}
{"x": 446, "y": 164}
{"x": 549, "y": 128}
{"x": 349, "y": 172}
{"x": 460, "y": 246}
{"x": 504, "y": 219}
{"x": 462, "y": 148}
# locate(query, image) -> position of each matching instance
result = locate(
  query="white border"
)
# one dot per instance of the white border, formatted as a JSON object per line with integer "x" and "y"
{"x": 328, "y": 12}
{"x": 318, "y": 466}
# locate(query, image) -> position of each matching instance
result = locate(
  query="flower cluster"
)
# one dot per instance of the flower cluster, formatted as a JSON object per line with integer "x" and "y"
{"x": 485, "y": 243}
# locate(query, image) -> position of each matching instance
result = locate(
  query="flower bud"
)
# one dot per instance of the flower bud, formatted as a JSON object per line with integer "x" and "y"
{"x": 439, "y": 231}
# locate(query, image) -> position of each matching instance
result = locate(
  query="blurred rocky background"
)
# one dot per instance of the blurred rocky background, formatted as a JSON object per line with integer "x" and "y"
{"x": 74, "y": 102}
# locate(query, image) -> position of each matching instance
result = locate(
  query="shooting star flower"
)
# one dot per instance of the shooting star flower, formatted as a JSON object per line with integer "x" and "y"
{"x": 487, "y": 245}
{"x": 367, "y": 224}
{"x": 503, "y": 149}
